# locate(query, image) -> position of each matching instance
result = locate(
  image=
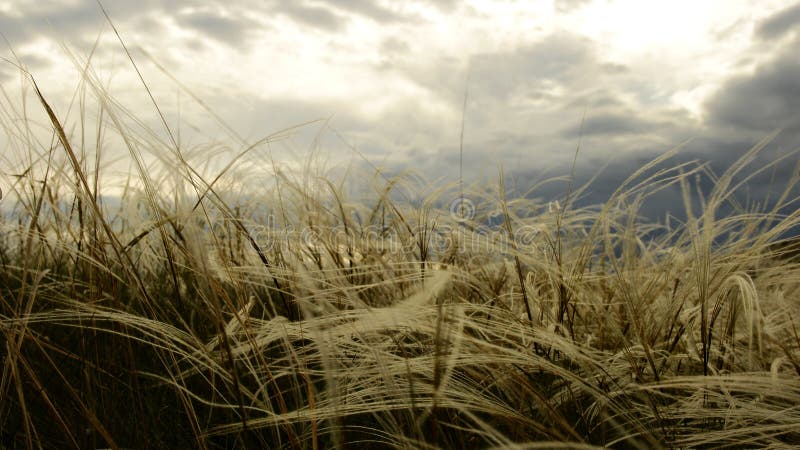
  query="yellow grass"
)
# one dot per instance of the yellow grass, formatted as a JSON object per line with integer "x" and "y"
{"x": 196, "y": 313}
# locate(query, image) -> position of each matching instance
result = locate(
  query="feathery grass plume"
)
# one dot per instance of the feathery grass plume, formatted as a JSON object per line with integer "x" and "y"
{"x": 296, "y": 315}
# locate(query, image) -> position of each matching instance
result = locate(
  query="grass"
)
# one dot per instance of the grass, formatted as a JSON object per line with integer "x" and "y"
{"x": 195, "y": 312}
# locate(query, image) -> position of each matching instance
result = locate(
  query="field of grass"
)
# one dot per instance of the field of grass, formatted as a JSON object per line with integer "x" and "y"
{"x": 197, "y": 310}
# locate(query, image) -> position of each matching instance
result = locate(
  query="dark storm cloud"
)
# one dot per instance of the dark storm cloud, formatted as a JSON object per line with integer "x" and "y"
{"x": 780, "y": 23}
{"x": 715, "y": 153}
{"x": 525, "y": 107}
{"x": 764, "y": 101}
{"x": 525, "y": 104}
{"x": 748, "y": 107}
{"x": 745, "y": 110}
{"x": 515, "y": 119}
{"x": 611, "y": 124}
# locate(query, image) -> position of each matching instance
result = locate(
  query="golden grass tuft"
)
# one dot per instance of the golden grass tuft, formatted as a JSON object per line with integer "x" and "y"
{"x": 195, "y": 312}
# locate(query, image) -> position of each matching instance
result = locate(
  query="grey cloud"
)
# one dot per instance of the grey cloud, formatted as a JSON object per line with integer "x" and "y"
{"x": 14, "y": 30}
{"x": 559, "y": 58}
{"x": 596, "y": 100}
{"x": 74, "y": 19}
{"x": 79, "y": 23}
{"x": 764, "y": 101}
{"x": 232, "y": 31}
{"x": 748, "y": 107}
{"x": 404, "y": 139}
{"x": 525, "y": 107}
{"x": 524, "y": 113}
{"x": 780, "y": 23}
{"x": 367, "y": 8}
{"x": 333, "y": 15}
{"x": 315, "y": 16}
{"x": 24, "y": 60}
{"x": 717, "y": 153}
{"x": 391, "y": 46}
{"x": 611, "y": 124}
{"x": 445, "y": 6}
{"x": 34, "y": 62}
{"x": 264, "y": 117}
{"x": 766, "y": 179}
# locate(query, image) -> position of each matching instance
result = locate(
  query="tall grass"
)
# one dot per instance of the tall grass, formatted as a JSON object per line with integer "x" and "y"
{"x": 195, "y": 311}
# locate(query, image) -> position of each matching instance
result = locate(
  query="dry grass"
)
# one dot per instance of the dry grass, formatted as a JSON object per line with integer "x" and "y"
{"x": 197, "y": 319}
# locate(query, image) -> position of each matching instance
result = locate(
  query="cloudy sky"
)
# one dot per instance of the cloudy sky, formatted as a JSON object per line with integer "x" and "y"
{"x": 391, "y": 76}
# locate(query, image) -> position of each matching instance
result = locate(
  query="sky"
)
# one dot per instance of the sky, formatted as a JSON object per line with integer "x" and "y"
{"x": 626, "y": 79}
